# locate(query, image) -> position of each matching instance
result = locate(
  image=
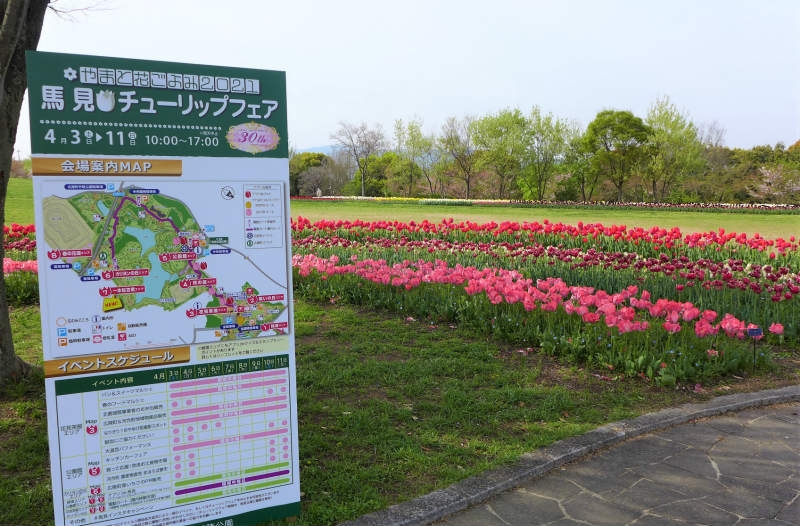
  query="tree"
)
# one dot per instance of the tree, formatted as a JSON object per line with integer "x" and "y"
{"x": 309, "y": 171}
{"x": 578, "y": 162}
{"x": 545, "y": 139}
{"x": 20, "y": 26}
{"x": 418, "y": 148}
{"x": 360, "y": 142}
{"x": 301, "y": 162}
{"x": 675, "y": 150}
{"x": 340, "y": 171}
{"x": 713, "y": 184}
{"x": 778, "y": 183}
{"x": 774, "y": 173}
{"x": 375, "y": 172}
{"x": 310, "y": 181}
{"x": 499, "y": 138}
{"x": 617, "y": 139}
{"x": 401, "y": 176}
{"x": 457, "y": 141}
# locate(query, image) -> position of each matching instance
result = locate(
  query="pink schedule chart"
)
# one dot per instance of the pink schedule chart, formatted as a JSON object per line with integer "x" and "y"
{"x": 199, "y": 438}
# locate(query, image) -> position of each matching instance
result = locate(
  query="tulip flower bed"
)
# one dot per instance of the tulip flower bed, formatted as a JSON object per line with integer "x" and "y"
{"x": 19, "y": 265}
{"x": 22, "y": 283}
{"x": 19, "y": 241}
{"x": 654, "y": 303}
{"x": 650, "y": 302}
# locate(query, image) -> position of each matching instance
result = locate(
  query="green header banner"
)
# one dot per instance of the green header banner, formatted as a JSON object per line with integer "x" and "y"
{"x": 170, "y": 374}
{"x": 90, "y": 105}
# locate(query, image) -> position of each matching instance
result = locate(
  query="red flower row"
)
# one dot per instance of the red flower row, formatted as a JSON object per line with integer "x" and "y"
{"x": 659, "y": 237}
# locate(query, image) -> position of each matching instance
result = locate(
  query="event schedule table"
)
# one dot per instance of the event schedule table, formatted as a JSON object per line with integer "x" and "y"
{"x": 158, "y": 439}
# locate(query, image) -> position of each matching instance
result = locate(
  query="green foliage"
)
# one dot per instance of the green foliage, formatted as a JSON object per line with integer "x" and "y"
{"x": 401, "y": 176}
{"x": 675, "y": 152}
{"x": 300, "y": 163}
{"x": 458, "y": 142}
{"x": 583, "y": 179}
{"x": 379, "y": 169}
{"x": 421, "y": 154}
{"x": 545, "y": 142}
{"x": 22, "y": 288}
{"x": 500, "y": 139}
{"x": 617, "y": 140}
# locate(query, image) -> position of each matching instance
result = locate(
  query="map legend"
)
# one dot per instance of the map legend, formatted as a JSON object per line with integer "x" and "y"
{"x": 263, "y": 216}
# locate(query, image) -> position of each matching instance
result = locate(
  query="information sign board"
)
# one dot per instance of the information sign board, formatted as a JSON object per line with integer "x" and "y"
{"x": 163, "y": 235}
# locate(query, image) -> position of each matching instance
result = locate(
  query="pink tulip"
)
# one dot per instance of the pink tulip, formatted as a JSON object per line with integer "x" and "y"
{"x": 776, "y": 328}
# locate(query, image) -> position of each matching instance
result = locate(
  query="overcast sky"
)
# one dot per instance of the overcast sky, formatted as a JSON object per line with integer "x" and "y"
{"x": 736, "y": 63}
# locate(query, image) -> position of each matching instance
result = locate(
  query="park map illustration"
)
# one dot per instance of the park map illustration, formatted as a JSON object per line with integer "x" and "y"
{"x": 137, "y": 248}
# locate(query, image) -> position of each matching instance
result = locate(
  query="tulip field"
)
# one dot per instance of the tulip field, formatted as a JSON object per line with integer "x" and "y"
{"x": 655, "y": 303}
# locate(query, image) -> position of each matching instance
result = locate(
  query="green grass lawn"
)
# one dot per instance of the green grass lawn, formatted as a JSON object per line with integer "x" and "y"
{"x": 19, "y": 201}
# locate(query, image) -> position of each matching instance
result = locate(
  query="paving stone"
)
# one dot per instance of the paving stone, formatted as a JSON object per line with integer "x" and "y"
{"x": 697, "y": 511}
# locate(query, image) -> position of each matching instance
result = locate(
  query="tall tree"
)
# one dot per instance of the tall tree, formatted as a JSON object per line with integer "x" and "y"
{"x": 20, "y": 26}
{"x": 418, "y": 148}
{"x": 376, "y": 171}
{"x": 500, "y": 139}
{"x": 617, "y": 139}
{"x": 301, "y": 162}
{"x": 546, "y": 138}
{"x": 360, "y": 142}
{"x": 675, "y": 150}
{"x": 402, "y": 175}
{"x": 578, "y": 162}
{"x": 713, "y": 185}
{"x": 457, "y": 141}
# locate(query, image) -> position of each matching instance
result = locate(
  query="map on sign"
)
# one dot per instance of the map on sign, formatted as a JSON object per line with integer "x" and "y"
{"x": 145, "y": 265}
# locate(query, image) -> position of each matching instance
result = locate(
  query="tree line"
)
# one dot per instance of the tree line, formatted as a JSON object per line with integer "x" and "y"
{"x": 661, "y": 158}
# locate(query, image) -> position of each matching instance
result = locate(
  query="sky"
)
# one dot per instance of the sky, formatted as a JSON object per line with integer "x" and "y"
{"x": 729, "y": 62}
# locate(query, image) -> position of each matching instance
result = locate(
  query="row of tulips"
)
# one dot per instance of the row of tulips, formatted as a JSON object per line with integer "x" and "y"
{"x": 657, "y": 237}
{"x": 17, "y": 231}
{"x": 627, "y": 330}
{"x": 729, "y": 288}
{"x": 13, "y": 265}
{"x": 780, "y": 282}
{"x": 19, "y": 241}
{"x": 618, "y": 310}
